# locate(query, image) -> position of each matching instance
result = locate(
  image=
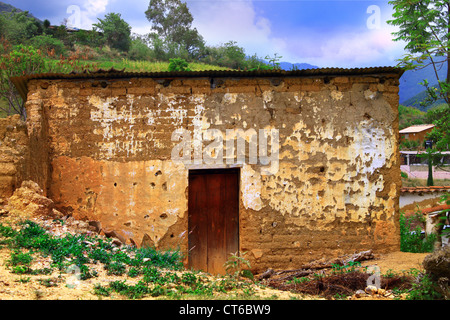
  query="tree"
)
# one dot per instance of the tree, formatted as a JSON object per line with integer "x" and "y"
{"x": 116, "y": 31}
{"x": 425, "y": 27}
{"x": 19, "y": 27}
{"x": 169, "y": 18}
{"x": 172, "y": 23}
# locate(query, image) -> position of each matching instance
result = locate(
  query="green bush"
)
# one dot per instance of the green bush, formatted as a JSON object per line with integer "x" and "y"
{"x": 177, "y": 64}
{"x": 47, "y": 43}
{"x": 139, "y": 51}
{"x": 412, "y": 239}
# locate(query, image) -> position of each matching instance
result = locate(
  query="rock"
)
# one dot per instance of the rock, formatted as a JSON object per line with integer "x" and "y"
{"x": 147, "y": 242}
{"x": 95, "y": 226}
{"x": 371, "y": 290}
{"x": 114, "y": 234}
{"x": 381, "y": 292}
{"x": 360, "y": 293}
{"x": 438, "y": 263}
{"x": 29, "y": 201}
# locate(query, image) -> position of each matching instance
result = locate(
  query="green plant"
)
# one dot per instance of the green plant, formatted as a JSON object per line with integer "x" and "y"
{"x": 424, "y": 289}
{"x": 412, "y": 239}
{"x": 20, "y": 258}
{"x": 299, "y": 280}
{"x": 115, "y": 268}
{"x": 99, "y": 290}
{"x": 274, "y": 60}
{"x": 177, "y": 64}
{"x": 234, "y": 265}
{"x": 133, "y": 272}
{"x": 350, "y": 266}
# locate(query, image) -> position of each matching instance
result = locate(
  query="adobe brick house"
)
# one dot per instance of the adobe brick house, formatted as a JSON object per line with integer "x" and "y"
{"x": 416, "y": 132}
{"x": 102, "y": 147}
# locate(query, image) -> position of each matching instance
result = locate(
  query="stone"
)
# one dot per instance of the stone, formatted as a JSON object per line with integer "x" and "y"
{"x": 29, "y": 201}
{"x": 95, "y": 226}
{"x": 114, "y": 234}
{"x": 371, "y": 290}
{"x": 360, "y": 293}
{"x": 438, "y": 263}
{"x": 381, "y": 292}
{"x": 147, "y": 242}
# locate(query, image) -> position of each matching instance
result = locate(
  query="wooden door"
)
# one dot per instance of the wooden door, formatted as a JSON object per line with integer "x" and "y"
{"x": 213, "y": 218}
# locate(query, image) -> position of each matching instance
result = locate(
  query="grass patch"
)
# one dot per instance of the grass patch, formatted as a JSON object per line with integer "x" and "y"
{"x": 79, "y": 250}
{"x": 152, "y": 273}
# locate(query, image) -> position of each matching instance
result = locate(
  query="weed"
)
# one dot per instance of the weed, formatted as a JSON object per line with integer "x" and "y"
{"x": 23, "y": 280}
{"x": 346, "y": 268}
{"x": 412, "y": 239}
{"x": 80, "y": 250}
{"x": 424, "y": 289}
{"x": 115, "y": 268}
{"x": 99, "y": 290}
{"x": 20, "y": 258}
{"x": 299, "y": 280}
{"x": 49, "y": 282}
{"x": 133, "y": 272}
{"x": 234, "y": 265}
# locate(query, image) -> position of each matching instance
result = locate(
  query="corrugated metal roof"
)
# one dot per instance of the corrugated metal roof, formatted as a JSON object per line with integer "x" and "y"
{"x": 417, "y": 128}
{"x": 21, "y": 82}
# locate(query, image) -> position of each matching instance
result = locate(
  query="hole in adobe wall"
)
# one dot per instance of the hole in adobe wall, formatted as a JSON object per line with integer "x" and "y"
{"x": 158, "y": 173}
{"x": 163, "y": 216}
{"x": 153, "y": 185}
{"x": 172, "y": 235}
{"x": 322, "y": 169}
{"x": 215, "y": 83}
{"x": 326, "y": 80}
{"x": 164, "y": 186}
{"x": 115, "y": 184}
{"x": 164, "y": 82}
{"x": 276, "y": 82}
{"x": 103, "y": 84}
{"x": 382, "y": 80}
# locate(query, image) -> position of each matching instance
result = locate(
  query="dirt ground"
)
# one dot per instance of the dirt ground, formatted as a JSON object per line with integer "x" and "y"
{"x": 63, "y": 286}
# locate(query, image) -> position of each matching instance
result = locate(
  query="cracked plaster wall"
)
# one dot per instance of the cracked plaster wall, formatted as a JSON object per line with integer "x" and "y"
{"x": 336, "y": 189}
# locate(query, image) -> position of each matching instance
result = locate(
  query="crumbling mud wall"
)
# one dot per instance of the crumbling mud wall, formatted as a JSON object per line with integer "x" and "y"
{"x": 14, "y": 154}
{"x": 103, "y": 151}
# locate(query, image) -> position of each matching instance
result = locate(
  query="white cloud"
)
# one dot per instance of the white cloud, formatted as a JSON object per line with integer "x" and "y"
{"x": 86, "y": 15}
{"x": 221, "y": 21}
{"x": 358, "y": 46}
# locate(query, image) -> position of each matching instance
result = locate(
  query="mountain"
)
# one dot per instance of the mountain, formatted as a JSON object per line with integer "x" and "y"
{"x": 409, "y": 82}
{"x": 4, "y": 7}
{"x": 297, "y": 66}
{"x": 415, "y": 101}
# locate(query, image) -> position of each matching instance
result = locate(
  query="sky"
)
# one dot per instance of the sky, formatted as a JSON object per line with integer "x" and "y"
{"x": 336, "y": 33}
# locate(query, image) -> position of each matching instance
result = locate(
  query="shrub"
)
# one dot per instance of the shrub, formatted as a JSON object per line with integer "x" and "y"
{"x": 177, "y": 64}
{"x": 412, "y": 239}
{"x": 47, "y": 43}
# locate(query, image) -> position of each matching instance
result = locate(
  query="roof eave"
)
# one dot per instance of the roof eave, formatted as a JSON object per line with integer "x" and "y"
{"x": 21, "y": 82}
